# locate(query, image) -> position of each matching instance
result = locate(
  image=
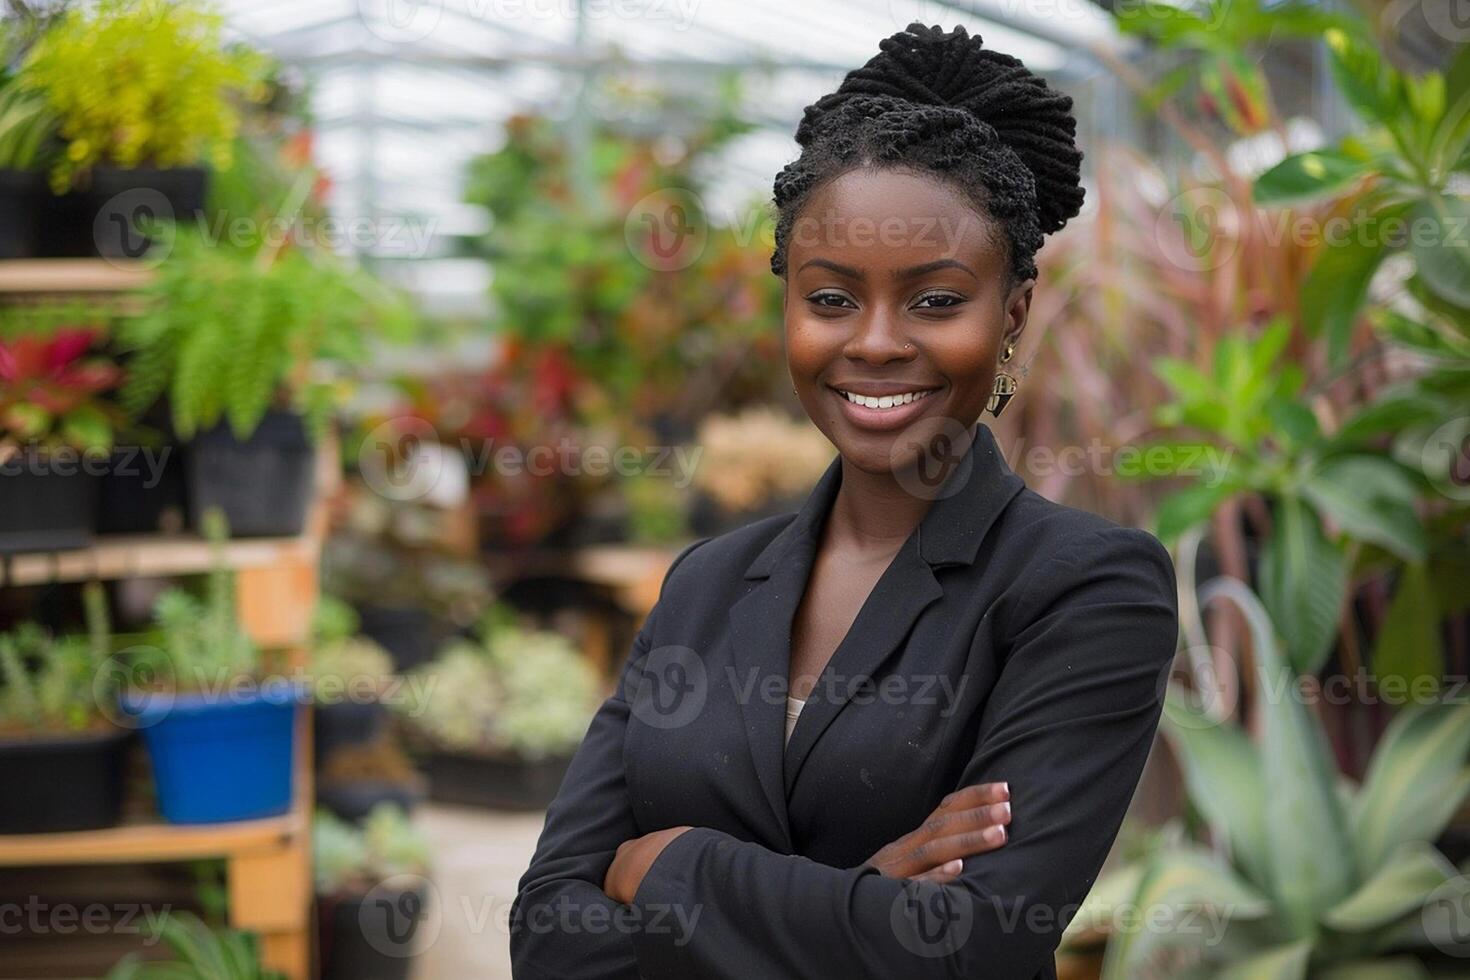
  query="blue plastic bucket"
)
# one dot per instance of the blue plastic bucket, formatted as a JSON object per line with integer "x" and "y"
{"x": 220, "y": 759}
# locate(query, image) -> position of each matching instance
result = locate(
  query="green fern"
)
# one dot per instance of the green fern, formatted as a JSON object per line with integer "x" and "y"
{"x": 229, "y": 332}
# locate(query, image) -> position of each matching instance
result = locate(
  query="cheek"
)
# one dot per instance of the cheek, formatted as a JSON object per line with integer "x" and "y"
{"x": 809, "y": 349}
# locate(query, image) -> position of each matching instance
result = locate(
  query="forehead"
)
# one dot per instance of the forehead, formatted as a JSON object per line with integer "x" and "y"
{"x": 876, "y": 219}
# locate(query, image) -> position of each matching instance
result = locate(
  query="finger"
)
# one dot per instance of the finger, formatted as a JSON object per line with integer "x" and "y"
{"x": 943, "y": 874}
{"x": 965, "y": 845}
{"x": 969, "y": 797}
{"x": 958, "y": 821}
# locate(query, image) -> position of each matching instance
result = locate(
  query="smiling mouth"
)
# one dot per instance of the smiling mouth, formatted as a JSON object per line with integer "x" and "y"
{"x": 885, "y": 402}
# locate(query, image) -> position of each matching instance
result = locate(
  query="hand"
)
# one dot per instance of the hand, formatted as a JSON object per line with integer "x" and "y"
{"x": 632, "y": 862}
{"x": 969, "y": 821}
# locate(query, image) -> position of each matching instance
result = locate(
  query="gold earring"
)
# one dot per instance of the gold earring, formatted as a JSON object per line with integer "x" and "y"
{"x": 1005, "y": 384}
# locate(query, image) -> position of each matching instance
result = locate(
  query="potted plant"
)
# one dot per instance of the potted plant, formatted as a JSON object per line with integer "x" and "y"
{"x": 1305, "y": 873}
{"x": 147, "y": 95}
{"x": 202, "y": 954}
{"x": 220, "y": 735}
{"x": 500, "y": 716}
{"x": 249, "y": 346}
{"x": 60, "y": 755}
{"x": 756, "y": 464}
{"x": 26, "y": 126}
{"x": 371, "y": 893}
{"x": 348, "y": 673}
{"x": 409, "y": 601}
{"x": 55, "y": 432}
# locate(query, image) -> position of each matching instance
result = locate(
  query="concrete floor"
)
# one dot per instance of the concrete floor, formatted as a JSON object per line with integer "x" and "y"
{"x": 479, "y": 855}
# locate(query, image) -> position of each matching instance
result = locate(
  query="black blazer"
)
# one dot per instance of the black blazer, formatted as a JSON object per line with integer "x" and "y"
{"x": 1012, "y": 638}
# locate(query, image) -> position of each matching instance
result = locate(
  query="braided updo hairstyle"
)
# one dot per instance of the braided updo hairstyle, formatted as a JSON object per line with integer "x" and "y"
{"x": 943, "y": 103}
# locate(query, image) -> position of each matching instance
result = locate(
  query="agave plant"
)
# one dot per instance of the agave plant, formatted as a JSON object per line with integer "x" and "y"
{"x": 1309, "y": 876}
{"x": 203, "y": 954}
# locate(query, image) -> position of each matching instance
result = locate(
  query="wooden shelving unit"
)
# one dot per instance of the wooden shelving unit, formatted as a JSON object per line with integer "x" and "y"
{"x": 276, "y": 583}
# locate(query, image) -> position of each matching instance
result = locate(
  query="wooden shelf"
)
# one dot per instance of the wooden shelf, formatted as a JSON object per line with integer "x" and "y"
{"x": 42, "y": 276}
{"x": 130, "y": 556}
{"x": 149, "y": 842}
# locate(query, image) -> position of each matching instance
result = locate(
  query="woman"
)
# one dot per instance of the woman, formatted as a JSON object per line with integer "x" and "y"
{"x": 971, "y": 675}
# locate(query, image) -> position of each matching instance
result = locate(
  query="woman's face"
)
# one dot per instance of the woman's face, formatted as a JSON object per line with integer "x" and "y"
{"x": 896, "y": 291}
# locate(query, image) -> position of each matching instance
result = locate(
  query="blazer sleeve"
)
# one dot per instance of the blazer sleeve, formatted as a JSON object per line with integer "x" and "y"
{"x": 562, "y": 925}
{"x": 1069, "y": 723}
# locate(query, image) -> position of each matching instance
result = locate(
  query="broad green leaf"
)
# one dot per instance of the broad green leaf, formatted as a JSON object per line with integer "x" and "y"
{"x": 1108, "y": 897}
{"x": 1408, "y": 647}
{"x": 1369, "y": 85}
{"x": 1303, "y": 582}
{"x": 1304, "y": 176}
{"x": 1416, "y": 780}
{"x": 1187, "y": 381}
{"x": 1399, "y": 886}
{"x": 1334, "y": 290}
{"x": 1372, "y": 500}
{"x": 1178, "y": 881}
{"x": 1391, "y": 413}
{"x": 1222, "y": 771}
{"x": 1185, "y": 508}
{"x": 1439, "y": 238}
{"x": 1311, "y": 859}
{"x": 1287, "y": 962}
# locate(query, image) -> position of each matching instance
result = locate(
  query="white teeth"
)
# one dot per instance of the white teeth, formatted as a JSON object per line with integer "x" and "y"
{"x": 887, "y": 401}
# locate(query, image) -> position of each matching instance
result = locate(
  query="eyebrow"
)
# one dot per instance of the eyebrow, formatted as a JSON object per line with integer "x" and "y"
{"x": 909, "y": 273}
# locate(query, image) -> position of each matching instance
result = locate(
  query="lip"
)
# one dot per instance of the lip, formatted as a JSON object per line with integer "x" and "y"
{"x": 881, "y": 419}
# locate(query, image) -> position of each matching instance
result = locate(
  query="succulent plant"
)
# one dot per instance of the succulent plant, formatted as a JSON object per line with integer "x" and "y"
{"x": 346, "y": 858}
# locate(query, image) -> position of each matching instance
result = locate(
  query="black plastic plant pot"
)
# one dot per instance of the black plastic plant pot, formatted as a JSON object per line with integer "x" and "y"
{"x": 501, "y": 781}
{"x": 346, "y": 723}
{"x": 263, "y": 485}
{"x": 60, "y": 782}
{"x": 104, "y": 218}
{"x": 22, "y": 192}
{"x": 412, "y": 635}
{"x": 371, "y": 936}
{"x": 354, "y": 800}
{"x": 47, "y": 502}
{"x": 142, "y": 491}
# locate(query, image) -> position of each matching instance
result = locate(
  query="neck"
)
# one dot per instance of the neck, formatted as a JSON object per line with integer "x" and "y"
{"x": 874, "y": 513}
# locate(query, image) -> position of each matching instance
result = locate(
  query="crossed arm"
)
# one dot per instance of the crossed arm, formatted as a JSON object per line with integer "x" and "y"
{"x": 1068, "y": 725}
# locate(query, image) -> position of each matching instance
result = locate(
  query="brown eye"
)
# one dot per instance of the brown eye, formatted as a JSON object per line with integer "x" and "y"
{"x": 938, "y": 301}
{"x": 830, "y": 300}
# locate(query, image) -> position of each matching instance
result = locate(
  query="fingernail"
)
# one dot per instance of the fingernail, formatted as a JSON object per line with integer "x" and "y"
{"x": 1006, "y": 789}
{"x": 1005, "y": 811}
{"x": 954, "y": 867}
{"x": 996, "y": 834}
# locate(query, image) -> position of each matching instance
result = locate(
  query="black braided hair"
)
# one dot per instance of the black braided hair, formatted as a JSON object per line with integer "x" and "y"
{"x": 943, "y": 103}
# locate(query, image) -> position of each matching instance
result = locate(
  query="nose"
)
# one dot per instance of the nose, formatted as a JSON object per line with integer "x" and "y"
{"x": 878, "y": 338}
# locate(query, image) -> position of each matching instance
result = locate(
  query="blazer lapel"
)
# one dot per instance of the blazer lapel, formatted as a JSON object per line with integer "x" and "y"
{"x": 949, "y": 534}
{"x": 761, "y": 623}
